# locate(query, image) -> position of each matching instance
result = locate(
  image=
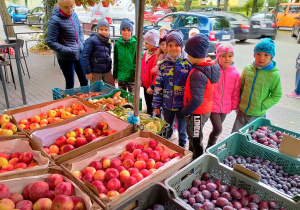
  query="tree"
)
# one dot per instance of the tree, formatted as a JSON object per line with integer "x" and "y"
{"x": 187, "y": 5}
{"x": 249, "y": 5}
{"x": 272, "y": 3}
{"x": 254, "y": 5}
{"x": 6, "y": 19}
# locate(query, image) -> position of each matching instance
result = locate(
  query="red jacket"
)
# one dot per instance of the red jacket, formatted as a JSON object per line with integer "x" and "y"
{"x": 147, "y": 78}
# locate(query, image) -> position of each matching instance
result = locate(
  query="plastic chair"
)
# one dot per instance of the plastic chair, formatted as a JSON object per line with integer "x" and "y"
{"x": 20, "y": 43}
{"x": 5, "y": 63}
{"x": 4, "y": 86}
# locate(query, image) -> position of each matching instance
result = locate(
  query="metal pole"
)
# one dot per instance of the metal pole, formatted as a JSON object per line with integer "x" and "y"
{"x": 139, "y": 45}
{"x": 4, "y": 86}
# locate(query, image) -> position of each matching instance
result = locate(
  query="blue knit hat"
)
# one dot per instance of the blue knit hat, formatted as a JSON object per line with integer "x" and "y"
{"x": 265, "y": 45}
{"x": 102, "y": 22}
{"x": 197, "y": 46}
{"x": 175, "y": 36}
{"x": 126, "y": 23}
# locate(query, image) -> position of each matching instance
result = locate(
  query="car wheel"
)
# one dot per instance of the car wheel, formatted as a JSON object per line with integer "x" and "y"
{"x": 273, "y": 37}
{"x": 243, "y": 40}
{"x": 293, "y": 32}
{"x": 298, "y": 38}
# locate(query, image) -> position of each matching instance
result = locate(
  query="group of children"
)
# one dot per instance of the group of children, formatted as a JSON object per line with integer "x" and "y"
{"x": 187, "y": 84}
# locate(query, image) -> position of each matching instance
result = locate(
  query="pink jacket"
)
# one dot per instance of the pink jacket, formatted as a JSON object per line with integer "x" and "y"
{"x": 226, "y": 96}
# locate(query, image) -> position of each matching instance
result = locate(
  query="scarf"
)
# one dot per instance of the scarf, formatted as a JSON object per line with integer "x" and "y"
{"x": 150, "y": 53}
{"x": 170, "y": 58}
{"x": 104, "y": 39}
{"x": 124, "y": 40}
{"x": 261, "y": 67}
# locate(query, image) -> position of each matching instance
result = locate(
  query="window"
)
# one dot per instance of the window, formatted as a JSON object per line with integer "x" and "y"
{"x": 167, "y": 21}
{"x": 294, "y": 9}
{"x": 219, "y": 23}
{"x": 281, "y": 9}
{"x": 188, "y": 22}
{"x": 21, "y": 10}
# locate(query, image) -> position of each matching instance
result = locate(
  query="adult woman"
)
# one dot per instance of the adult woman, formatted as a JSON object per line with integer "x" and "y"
{"x": 65, "y": 37}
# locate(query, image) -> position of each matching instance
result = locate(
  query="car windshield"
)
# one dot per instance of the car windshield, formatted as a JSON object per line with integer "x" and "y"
{"x": 159, "y": 13}
{"x": 22, "y": 10}
{"x": 219, "y": 23}
{"x": 262, "y": 16}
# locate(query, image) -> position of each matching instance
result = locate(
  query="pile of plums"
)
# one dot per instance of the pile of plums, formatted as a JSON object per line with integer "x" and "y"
{"x": 270, "y": 173}
{"x": 267, "y": 137}
{"x": 207, "y": 194}
{"x": 157, "y": 207}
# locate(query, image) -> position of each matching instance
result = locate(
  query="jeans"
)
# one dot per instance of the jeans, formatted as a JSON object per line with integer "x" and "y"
{"x": 68, "y": 68}
{"x": 148, "y": 99}
{"x": 297, "y": 90}
{"x": 169, "y": 118}
{"x": 216, "y": 120}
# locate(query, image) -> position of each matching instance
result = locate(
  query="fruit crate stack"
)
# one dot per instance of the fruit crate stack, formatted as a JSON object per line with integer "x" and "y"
{"x": 207, "y": 184}
{"x": 93, "y": 90}
{"x": 278, "y": 172}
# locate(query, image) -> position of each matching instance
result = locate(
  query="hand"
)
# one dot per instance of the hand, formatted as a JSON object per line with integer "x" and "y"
{"x": 116, "y": 81}
{"x": 150, "y": 91}
{"x": 90, "y": 76}
{"x": 154, "y": 70}
{"x": 157, "y": 111}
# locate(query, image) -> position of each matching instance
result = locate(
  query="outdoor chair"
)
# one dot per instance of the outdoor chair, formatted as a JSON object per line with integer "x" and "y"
{"x": 4, "y": 64}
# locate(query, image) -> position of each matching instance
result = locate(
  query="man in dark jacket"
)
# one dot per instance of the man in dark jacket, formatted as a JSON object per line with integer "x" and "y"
{"x": 199, "y": 89}
{"x": 65, "y": 37}
{"x": 96, "y": 55}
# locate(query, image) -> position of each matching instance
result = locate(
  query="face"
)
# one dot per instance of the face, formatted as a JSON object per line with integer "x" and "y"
{"x": 67, "y": 6}
{"x": 173, "y": 49}
{"x": 262, "y": 58}
{"x": 192, "y": 60}
{"x": 163, "y": 33}
{"x": 149, "y": 46}
{"x": 163, "y": 47}
{"x": 226, "y": 59}
{"x": 126, "y": 34}
{"x": 103, "y": 30}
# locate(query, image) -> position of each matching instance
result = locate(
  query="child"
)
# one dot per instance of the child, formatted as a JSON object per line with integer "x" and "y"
{"x": 170, "y": 84}
{"x": 162, "y": 52}
{"x": 296, "y": 92}
{"x": 124, "y": 57}
{"x": 199, "y": 89}
{"x": 151, "y": 39}
{"x": 96, "y": 55}
{"x": 260, "y": 85}
{"x": 193, "y": 32}
{"x": 226, "y": 96}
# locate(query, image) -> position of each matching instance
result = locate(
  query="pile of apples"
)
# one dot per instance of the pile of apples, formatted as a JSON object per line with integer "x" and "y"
{"x": 52, "y": 116}
{"x": 114, "y": 177}
{"x": 7, "y": 128}
{"x": 77, "y": 138}
{"x": 16, "y": 161}
{"x": 53, "y": 193}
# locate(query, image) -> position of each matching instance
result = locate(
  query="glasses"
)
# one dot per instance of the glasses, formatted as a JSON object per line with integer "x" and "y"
{"x": 67, "y": 7}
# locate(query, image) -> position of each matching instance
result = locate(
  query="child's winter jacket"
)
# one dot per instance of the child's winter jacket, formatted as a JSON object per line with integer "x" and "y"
{"x": 147, "y": 78}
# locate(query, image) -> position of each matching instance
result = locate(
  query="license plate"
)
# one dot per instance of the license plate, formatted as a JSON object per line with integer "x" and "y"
{"x": 263, "y": 25}
{"x": 226, "y": 36}
{"x": 256, "y": 26}
{"x": 23, "y": 19}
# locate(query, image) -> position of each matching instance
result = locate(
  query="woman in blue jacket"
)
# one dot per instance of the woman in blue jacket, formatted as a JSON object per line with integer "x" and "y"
{"x": 96, "y": 55}
{"x": 65, "y": 37}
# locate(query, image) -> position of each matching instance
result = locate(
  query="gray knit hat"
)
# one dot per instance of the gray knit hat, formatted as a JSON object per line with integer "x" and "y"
{"x": 126, "y": 23}
{"x": 152, "y": 37}
{"x": 102, "y": 22}
{"x": 175, "y": 36}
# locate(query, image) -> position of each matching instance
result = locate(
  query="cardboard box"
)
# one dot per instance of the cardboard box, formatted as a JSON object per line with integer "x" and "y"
{"x": 24, "y": 145}
{"x": 17, "y": 182}
{"x": 116, "y": 148}
{"x": 47, "y": 137}
{"x": 30, "y": 111}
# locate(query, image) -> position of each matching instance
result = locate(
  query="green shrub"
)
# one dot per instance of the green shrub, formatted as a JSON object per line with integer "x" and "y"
{"x": 237, "y": 8}
{"x": 180, "y": 8}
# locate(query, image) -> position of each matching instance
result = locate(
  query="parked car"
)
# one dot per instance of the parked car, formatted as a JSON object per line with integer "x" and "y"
{"x": 36, "y": 16}
{"x": 287, "y": 13}
{"x": 268, "y": 24}
{"x": 209, "y": 9}
{"x": 215, "y": 27}
{"x": 244, "y": 28}
{"x": 18, "y": 13}
{"x": 147, "y": 14}
{"x": 296, "y": 29}
{"x": 158, "y": 15}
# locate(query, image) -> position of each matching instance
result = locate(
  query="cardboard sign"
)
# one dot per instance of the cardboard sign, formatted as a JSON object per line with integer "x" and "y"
{"x": 246, "y": 171}
{"x": 290, "y": 146}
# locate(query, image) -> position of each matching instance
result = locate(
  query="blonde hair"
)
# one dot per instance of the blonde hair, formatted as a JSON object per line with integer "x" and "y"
{"x": 193, "y": 30}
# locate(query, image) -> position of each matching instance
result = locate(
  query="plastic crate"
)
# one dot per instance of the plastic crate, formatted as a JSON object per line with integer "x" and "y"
{"x": 238, "y": 144}
{"x": 183, "y": 179}
{"x": 165, "y": 133}
{"x": 98, "y": 86}
{"x": 155, "y": 194}
{"x": 124, "y": 94}
{"x": 253, "y": 126}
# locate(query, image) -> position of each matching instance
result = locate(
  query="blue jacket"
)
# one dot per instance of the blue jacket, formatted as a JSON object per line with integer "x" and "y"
{"x": 65, "y": 36}
{"x": 96, "y": 56}
{"x": 170, "y": 83}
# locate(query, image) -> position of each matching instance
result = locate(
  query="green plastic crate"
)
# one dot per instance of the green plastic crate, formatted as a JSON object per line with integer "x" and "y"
{"x": 98, "y": 86}
{"x": 183, "y": 179}
{"x": 252, "y": 126}
{"x": 238, "y": 144}
{"x": 124, "y": 94}
{"x": 155, "y": 194}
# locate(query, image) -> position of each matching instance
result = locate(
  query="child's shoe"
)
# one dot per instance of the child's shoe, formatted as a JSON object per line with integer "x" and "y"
{"x": 293, "y": 95}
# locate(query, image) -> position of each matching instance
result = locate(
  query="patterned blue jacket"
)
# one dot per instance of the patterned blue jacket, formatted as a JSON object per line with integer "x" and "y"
{"x": 65, "y": 36}
{"x": 170, "y": 83}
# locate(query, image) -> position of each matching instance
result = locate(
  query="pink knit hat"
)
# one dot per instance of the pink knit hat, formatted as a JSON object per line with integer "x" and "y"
{"x": 223, "y": 48}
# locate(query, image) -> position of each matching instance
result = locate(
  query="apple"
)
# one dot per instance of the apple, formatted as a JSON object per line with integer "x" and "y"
{"x": 145, "y": 172}
{"x": 64, "y": 188}
{"x": 158, "y": 165}
{"x": 78, "y": 131}
{"x": 9, "y": 126}
{"x": 23, "y": 121}
{"x": 3, "y": 162}
{"x": 152, "y": 144}
{"x": 38, "y": 190}
{"x": 140, "y": 165}
{"x": 71, "y": 140}
{"x": 147, "y": 150}
{"x": 138, "y": 176}
{"x": 54, "y": 149}
{"x": 4, "y": 191}
{"x": 124, "y": 175}
{"x": 51, "y": 113}
{"x": 42, "y": 203}
{"x": 26, "y": 157}
{"x": 176, "y": 155}
{"x": 6, "y": 204}
{"x": 54, "y": 180}
{"x": 62, "y": 202}
{"x": 131, "y": 146}
{"x": 121, "y": 168}
{"x": 81, "y": 108}
{"x": 70, "y": 134}
{"x": 113, "y": 184}
{"x": 22, "y": 126}
{"x": 4, "y": 156}
{"x": 133, "y": 171}
{"x": 143, "y": 156}
{"x": 5, "y": 132}
{"x": 88, "y": 177}
{"x": 115, "y": 163}
{"x": 65, "y": 115}
{"x": 140, "y": 146}
{"x": 78, "y": 203}
{"x": 111, "y": 173}
{"x": 150, "y": 163}
{"x": 75, "y": 106}
{"x": 67, "y": 148}
{"x": 122, "y": 190}
{"x": 99, "y": 175}
{"x": 80, "y": 142}
{"x": 102, "y": 195}
{"x": 100, "y": 187}
{"x": 88, "y": 170}
{"x": 43, "y": 115}
{"x": 50, "y": 194}
{"x": 77, "y": 174}
{"x": 159, "y": 149}
{"x": 60, "y": 141}
{"x": 34, "y": 126}
{"x": 97, "y": 132}
{"x": 69, "y": 109}
{"x": 105, "y": 162}
{"x": 8, "y": 167}
{"x": 154, "y": 155}
{"x": 24, "y": 205}
{"x": 91, "y": 137}
{"x": 4, "y": 118}
{"x": 136, "y": 152}
{"x": 44, "y": 122}
{"x": 129, "y": 182}
{"x": 35, "y": 119}
{"x": 102, "y": 125}
{"x": 128, "y": 156}
{"x": 21, "y": 165}
{"x": 26, "y": 192}
{"x": 128, "y": 163}
{"x": 96, "y": 164}
{"x": 88, "y": 131}
{"x": 112, "y": 193}
{"x": 164, "y": 155}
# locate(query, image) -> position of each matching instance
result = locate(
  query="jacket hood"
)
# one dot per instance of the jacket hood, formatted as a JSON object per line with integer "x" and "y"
{"x": 270, "y": 67}
{"x": 173, "y": 60}
{"x": 56, "y": 12}
{"x": 210, "y": 69}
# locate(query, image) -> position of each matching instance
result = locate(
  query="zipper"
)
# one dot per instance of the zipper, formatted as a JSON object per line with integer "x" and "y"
{"x": 173, "y": 85}
{"x": 251, "y": 91}
{"x": 261, "y": 106}
{"x": 223, "y": 81}
{"x": 76, "y": 36}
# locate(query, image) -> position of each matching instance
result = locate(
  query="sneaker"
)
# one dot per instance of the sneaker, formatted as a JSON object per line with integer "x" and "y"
{"x": 174, "y": 134}
{"x": 293, "y": 95}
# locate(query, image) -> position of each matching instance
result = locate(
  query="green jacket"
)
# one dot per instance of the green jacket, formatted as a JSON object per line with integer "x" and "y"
{"x": 124, "y": 60}
{"x": 260, "y": 89}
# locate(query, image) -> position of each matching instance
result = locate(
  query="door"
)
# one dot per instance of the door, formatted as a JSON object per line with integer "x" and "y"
{"x": 281, "y": 15}
{"x": 33, "y": 18}
{"x": 293, "y": 11}
{"x": 167, "y": 21}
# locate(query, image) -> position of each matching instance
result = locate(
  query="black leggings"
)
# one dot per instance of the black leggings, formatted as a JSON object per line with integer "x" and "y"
{"x": 216, "y": 120}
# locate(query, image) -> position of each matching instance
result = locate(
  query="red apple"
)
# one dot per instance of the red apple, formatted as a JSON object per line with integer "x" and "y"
{"x": 131, "y": 146}
{"x": 145, "y": 172}
{"x": 138, "y": 176}
{"x": 96, "y": 164}
{"x": 114, "y": 184}
{"x": 136, "y": 152}
{"x": 129, "y": 182}
{"x": 62, "y": 202}
{"x": 80, "y": 142}
{"x": 111, "y": 173}
{"x": 60, "y": 141}
{"x": 128, "y": 163}
{"x": 143, "y": 156}
{"x": 54, "y": 180}
{"x": 91, "y": 137}
{"x": 100, "y": 187}
{"x": 154, "y": 155}
{"x": 152, "y": 144}
{"x": 78, "y": 203}
{"x": 133, "y": 171}
{"x": 64, "y": 188}
{"x": 26, "y": 157}
{"x": 115, "y": 163}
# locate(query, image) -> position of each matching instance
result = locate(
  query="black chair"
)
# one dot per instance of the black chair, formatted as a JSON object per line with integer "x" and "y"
{"x": 20, "y": 43}
{"x": 5, "y": 63}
